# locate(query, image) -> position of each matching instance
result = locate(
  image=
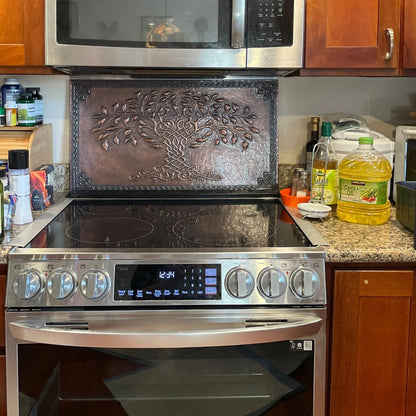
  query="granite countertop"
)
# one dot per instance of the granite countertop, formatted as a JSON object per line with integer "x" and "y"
{"x": 348, "y": 242}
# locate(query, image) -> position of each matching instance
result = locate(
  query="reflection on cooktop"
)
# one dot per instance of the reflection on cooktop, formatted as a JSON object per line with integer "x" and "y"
{"x": 105, "y": 224}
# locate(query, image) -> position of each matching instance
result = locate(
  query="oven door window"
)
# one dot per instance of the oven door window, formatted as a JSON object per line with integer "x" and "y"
{"x": 145, "y": 24}
{"x": 264, "y": 379}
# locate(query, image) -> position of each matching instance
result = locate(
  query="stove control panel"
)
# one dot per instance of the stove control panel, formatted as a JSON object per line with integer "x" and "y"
{"x": 111, "y": 282}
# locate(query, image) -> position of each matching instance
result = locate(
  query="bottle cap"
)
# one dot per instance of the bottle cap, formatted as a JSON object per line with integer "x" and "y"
{"x": 365, "y": 140}
{"x": 11, "y": 81}
{"x": 19, "y": 159}
{"x": 26, "y": 96}
{"x": 10, "y": 104}
{"x": 326, "y": 128}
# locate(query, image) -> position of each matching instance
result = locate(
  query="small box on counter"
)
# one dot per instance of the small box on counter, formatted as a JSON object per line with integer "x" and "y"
{"x": 41, "y": 187}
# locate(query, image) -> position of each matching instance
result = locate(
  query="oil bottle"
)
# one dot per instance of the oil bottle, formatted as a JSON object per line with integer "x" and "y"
{"x": 364, "y": 175}
{"x": 325, "y": 169}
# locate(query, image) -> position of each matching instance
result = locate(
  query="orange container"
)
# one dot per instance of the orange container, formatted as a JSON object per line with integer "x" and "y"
{"x": 290, "y": 200}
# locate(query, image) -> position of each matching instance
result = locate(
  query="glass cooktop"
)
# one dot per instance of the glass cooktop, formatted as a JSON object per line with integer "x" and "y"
{"x": 104, "y": 224}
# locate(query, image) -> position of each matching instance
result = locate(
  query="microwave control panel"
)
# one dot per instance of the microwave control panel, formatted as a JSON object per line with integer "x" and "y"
{"x": 270, "y": 23}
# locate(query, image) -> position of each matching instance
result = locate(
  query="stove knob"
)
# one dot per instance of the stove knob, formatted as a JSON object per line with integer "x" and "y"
{"x": 239, "y": 282}
{"x": 28, "y": 284}
{"x": 272, "y": 282}
{"x": 61, "y": 284}
{"x": 304, "y": 282}
{"x": 94, "y": 284}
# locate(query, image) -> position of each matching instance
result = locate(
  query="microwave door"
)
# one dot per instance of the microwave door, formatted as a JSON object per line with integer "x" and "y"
{"x": 139, "y": 33}
{"x": 275, "y": 34}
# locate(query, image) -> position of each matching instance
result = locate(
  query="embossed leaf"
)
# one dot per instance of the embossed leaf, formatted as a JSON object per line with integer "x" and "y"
{"x": 245, "y": 145}
{"x": 102, "y": 121}
{"x": 223, "y": 132}
{"x": 224, "y": 120}
{"x": 202, "y": 139}
{"x": 227, "y": 107}
{"x": 104, "y": 110}
{"x": 134, "y": 141}
{"x": 116, "y": 140}
{"x": 102, "y": 136}
{"x": 239, "y": 128}
{"x": 127, "y": 132}
{"x": 126, "y": 120}
{"x": 233, "y": 120}
{"x": 150, "y": 140}
{"x": 224, "y": 139}
{"x": 255, "y": 130}
{"x": 116, "y": 106}
{"x": 248, "y": 136}
{"x": 217, "y": 142}
{"x": 246, "y": 110}
{"x": 248, "y": 120}
{"x": 209, "y": 122}
{"x": 141, "y": 122}
{"x": 157, "y": 146}
{"x": 124, "y": 107}
{"x": 97, "y": 128}
{"x": 216, "y": 117}
{"x": 208, "y": 133}
{"x": 111, "y": 128}
{"x": 214, "y": 96}
{"x": 235, "y": 106}
{"x": 234, "y": 139}
{"x": 194, "y": 145}
{"x": 220, "y": 100}
{"x": 105, "y": 145}
{"x": 117, "y": 120}
{"x": 134, "y": 118}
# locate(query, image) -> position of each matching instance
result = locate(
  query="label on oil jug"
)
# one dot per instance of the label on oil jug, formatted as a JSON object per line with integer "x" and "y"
{"x": 363, "y": 192}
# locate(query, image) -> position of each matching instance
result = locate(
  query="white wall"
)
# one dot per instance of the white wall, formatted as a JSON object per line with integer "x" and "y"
{"x": 389, "y": 99}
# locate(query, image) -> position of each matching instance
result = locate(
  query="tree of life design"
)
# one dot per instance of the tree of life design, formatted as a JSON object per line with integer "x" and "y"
{"x": 175, "y": 123}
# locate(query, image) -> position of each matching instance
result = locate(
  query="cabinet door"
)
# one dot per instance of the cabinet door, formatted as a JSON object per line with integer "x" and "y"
{"x": 409, "y": 35}
{"x": 352, "y": 35}
{"x": 370, "y": 342}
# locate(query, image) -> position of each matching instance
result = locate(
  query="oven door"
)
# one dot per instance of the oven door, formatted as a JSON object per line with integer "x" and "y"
{"x": 143, "y": 33}
{"x": 176, "y": 363}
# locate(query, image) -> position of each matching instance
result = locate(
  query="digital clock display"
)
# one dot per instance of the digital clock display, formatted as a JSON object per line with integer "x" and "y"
{"x": 167, "y": 282}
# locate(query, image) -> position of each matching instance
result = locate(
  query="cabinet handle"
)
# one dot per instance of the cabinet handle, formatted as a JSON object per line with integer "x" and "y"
{"x": 390, "y": 39}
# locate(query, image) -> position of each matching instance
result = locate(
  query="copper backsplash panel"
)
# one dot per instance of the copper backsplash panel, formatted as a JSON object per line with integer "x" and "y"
{"x": 173, "y": 136}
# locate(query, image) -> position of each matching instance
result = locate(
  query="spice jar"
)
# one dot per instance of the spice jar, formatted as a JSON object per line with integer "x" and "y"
{"x": 19, "y": 185}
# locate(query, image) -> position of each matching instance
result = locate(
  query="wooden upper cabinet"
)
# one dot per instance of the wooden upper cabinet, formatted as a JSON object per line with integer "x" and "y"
{"x": 22, "y": 37}
{"x": 409, "y": 36}
{"x": 352, "y": 35}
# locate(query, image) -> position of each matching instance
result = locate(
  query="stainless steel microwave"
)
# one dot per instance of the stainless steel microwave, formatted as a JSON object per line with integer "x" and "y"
{"x": 183, "y": 34}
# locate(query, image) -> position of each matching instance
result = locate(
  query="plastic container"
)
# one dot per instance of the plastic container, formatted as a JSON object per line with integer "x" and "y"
{"x": 291, "y": 200}
{"x": 38, "y": 103}
{"x": 364, "y": 175}
{"x": 11, "y": 113}
{"x": 10, "y": 90}
{"x": 26, "y": 110}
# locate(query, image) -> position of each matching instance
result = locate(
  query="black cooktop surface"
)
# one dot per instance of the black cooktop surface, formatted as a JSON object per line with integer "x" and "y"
{"x": 105, "y": 224}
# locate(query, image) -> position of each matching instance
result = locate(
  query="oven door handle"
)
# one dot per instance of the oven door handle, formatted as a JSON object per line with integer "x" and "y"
{"x": 84, "y": 334}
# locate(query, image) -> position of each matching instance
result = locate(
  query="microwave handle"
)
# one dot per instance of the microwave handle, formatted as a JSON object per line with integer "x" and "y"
{"x": 237, "y": 23}
{"x": 248, "y": 332}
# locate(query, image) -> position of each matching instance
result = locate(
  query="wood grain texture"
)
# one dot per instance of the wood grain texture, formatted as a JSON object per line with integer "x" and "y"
{"x": 370, "y": 342}
{"x": 409, "y": 35}
{"x": 350, "y": 35}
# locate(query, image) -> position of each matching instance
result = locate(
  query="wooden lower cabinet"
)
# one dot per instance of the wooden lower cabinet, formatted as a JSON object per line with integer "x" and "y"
{"x": 372, "y": 349}
{"x": 3, "y": 273}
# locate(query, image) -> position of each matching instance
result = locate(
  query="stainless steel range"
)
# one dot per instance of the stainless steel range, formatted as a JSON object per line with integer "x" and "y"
{"x": 225, "y": 296}
{"x": 201, "y": 296}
